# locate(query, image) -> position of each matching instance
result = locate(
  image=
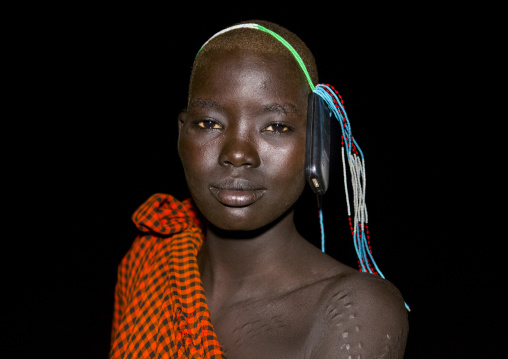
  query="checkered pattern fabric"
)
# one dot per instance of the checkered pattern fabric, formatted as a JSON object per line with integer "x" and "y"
{"x": 160, "y": 305}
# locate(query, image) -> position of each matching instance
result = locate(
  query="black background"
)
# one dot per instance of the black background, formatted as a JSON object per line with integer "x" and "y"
{"x": 101, "y": 90}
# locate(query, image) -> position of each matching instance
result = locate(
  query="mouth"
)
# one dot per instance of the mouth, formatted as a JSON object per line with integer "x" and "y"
{"x": 235, "y": 192}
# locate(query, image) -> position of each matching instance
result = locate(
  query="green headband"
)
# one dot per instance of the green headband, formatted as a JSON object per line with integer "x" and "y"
{"x": 277, "y": 36}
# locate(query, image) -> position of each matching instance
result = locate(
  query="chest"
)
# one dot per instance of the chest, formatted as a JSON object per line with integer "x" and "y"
{"x": 265, "y": 328}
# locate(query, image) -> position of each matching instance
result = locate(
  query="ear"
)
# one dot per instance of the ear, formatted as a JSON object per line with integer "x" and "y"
{"x": 181, "y": 120}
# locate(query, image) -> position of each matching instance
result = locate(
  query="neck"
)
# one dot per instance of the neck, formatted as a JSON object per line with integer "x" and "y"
{"x": 237, "y": 263}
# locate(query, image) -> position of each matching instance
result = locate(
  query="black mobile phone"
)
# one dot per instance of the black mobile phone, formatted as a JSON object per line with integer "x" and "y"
{"x": 317, "y": 151}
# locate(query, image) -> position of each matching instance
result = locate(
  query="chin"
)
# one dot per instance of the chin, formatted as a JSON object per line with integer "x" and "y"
{"x": 250, "y": 221}
{"x": 237, "y": 218}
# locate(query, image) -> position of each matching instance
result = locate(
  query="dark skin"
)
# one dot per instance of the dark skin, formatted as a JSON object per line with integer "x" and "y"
{"x": 271, "y": 294}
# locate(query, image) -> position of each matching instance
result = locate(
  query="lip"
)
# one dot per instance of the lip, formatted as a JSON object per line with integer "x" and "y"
{"x": 236, "y": 192}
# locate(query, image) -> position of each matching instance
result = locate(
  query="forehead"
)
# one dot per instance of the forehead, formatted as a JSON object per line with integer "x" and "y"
{"x": 248, "y": 73}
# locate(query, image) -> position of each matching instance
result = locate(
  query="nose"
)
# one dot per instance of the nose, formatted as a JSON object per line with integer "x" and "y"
{"x": 238, "y": 151}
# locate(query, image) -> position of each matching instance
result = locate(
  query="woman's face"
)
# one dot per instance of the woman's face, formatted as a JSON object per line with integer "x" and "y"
{"x": 242, "y": 139}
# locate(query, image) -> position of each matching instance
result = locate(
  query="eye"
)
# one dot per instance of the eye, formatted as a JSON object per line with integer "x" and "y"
{"x": 277, "y": 128}
{"x": 209, "y": 124}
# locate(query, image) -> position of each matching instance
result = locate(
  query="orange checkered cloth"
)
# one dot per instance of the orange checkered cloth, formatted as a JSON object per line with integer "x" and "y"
{"x": 160, "y": 305}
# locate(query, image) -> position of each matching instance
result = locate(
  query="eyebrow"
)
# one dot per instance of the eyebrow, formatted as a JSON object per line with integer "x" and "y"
{"x": 279, "y": 108}
{"x": 205, "y": 104}
{"x": 270, "y": 108}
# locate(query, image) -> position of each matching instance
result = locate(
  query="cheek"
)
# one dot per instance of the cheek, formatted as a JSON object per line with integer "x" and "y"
{"x": 287, "y": 165}
{"x": 195, "y": 158}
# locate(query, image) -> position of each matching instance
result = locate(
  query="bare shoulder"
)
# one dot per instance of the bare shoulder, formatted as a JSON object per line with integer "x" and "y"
{"x": 362, "y": 315}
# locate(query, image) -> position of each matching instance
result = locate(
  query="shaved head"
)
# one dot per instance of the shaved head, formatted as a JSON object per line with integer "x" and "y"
{"x": 255, "y": 40}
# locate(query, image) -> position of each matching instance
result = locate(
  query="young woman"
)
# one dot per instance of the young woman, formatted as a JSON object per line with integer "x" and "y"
{"x": 242, "y": 282}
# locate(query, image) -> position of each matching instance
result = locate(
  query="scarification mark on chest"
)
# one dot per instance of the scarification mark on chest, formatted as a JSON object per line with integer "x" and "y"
{"x": 340, "y": 313}
{"x": 339, "y": 309}
{"x": 261, "y": 327}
